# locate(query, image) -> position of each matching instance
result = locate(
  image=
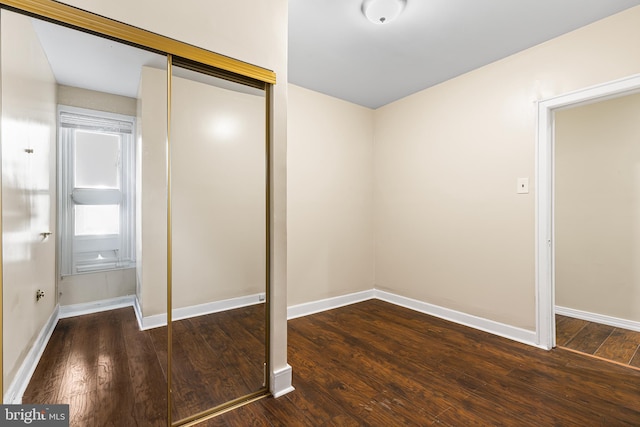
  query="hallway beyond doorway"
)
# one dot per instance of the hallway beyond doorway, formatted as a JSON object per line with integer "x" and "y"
{"x": 606, "y": 342}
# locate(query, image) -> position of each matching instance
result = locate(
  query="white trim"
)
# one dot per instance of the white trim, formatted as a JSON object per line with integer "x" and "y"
{"x": 120, "y": 246}
{"x": 506, "y": 331}
{"x": 73, "y": 310}
{"x": 616, "y": 322}
{"x": 280, "y": 381}
{"x": 150, "y": 322}
{"x": 138, "y": 311}
{"x": 27, "y": 368}
{"x": 157, "y": 320}
{"x": 545, "y": 237}
{"x": 308, "y": 308}
{"x": 217, "y": 306}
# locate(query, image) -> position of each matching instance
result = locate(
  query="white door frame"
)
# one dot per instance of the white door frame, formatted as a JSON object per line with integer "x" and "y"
{"x": 545, "y": 232}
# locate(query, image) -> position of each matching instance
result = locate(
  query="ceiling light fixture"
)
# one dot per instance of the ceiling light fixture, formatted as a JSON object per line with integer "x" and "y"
{"x": 382, "y": 11}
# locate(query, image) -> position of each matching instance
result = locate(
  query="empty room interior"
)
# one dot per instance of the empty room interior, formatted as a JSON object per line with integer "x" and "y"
{"x": 314, "y": 213}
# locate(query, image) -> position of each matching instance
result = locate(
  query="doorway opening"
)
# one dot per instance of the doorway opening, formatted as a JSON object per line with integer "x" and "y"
{"x": 546, "y": 249}
{"x": 597, "y": 229}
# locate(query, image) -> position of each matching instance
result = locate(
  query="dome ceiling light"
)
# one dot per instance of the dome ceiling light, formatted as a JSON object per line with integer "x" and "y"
{"x": 382, "y": 11}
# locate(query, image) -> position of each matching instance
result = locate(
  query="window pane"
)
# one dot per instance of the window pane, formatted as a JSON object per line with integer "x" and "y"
{"x": 97, "y": 158}
{"x": 97, "y": 220}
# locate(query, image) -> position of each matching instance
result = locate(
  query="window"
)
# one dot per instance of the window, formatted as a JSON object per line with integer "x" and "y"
{"x": 97, "y": 190}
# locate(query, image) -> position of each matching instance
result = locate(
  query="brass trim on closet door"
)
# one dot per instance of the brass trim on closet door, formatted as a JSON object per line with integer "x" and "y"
{"x": 1, "y": 260}
{"x": 88, "y": 21}
{"x": 268, "y": 194}
{"x": 169, "y": 249}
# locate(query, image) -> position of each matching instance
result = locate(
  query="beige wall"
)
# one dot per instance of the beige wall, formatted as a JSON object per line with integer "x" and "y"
{"x": 82, "y": 288}
{"x": 450, "y": 228}
{"x": 597, "y": 208}
{"x": 151, "y": 192}
{"x": 28, "y": 190}
{"x": 330, "y": 203}
{"x": 252, "y": 31}
{"x": 85, "y": 98}
{"x": 218, "y": 203}
{"x": 218, "y": 192}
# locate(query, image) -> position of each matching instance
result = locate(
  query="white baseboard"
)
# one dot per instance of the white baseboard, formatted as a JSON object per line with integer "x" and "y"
{"x": 506, "y": 331}
{"x": 73, "y": 310}
{"x": 27, "y": 368}
{"x": 327, "y": 304}
{"x": 616, "y": 322}
{"x": 150, "y": 322}
{"x": 138, "y": 311}
{"x": 280, "y": 381}
{"x": 157, "y": 320}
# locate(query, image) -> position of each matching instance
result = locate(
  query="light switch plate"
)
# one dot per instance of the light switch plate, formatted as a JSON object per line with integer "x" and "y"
{"x": 523, "y": 186}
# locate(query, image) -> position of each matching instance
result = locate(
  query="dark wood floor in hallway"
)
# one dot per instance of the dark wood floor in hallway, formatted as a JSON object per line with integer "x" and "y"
{"x": 603, "y": 341}
{"x": 376, "y": 364}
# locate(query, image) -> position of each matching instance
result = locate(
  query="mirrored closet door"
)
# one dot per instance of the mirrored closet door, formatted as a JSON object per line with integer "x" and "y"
{"x": 83, "y": 172}
{"x": 219, "y": 234}
{"x": 135, "y": 212}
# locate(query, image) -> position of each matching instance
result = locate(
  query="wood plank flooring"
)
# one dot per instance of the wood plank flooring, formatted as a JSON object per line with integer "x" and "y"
{"x": 111, "y": 373}
{"x": 376, "y": 364}
{"x": 610, "y": 343}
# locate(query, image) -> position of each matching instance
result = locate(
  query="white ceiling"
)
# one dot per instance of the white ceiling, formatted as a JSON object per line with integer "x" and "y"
{"x": 90, "y": 62}
{"x": 334, "y": 49}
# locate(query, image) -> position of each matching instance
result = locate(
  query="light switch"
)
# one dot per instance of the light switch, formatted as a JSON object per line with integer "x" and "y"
{"x": 523, "y": 186}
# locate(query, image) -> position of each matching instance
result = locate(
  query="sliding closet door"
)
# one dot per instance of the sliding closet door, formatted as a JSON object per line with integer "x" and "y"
{"x": 218, "y": 140}
{"x": 84, "y": 131}
{"x": 28, "y": 136}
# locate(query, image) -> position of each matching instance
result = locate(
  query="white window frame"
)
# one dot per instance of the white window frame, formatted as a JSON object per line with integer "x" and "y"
{"x": 74, "y": 250}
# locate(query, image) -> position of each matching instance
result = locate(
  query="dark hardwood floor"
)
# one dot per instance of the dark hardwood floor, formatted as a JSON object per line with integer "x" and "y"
{"x": 607, "y": 342}
{"x": 377, "y": 364}
{"x": 111, "y": 373}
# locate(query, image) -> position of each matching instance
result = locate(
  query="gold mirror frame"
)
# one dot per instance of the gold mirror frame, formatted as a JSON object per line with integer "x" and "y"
{"x": 200, "y": 60}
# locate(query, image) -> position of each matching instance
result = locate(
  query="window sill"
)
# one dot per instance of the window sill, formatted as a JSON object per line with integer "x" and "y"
{"x": 100, "y": 268}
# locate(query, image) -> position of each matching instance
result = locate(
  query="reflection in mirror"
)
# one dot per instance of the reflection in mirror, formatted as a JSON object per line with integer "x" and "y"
{"x": 101, "y": 106}
{"x": 218, "y": 205}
